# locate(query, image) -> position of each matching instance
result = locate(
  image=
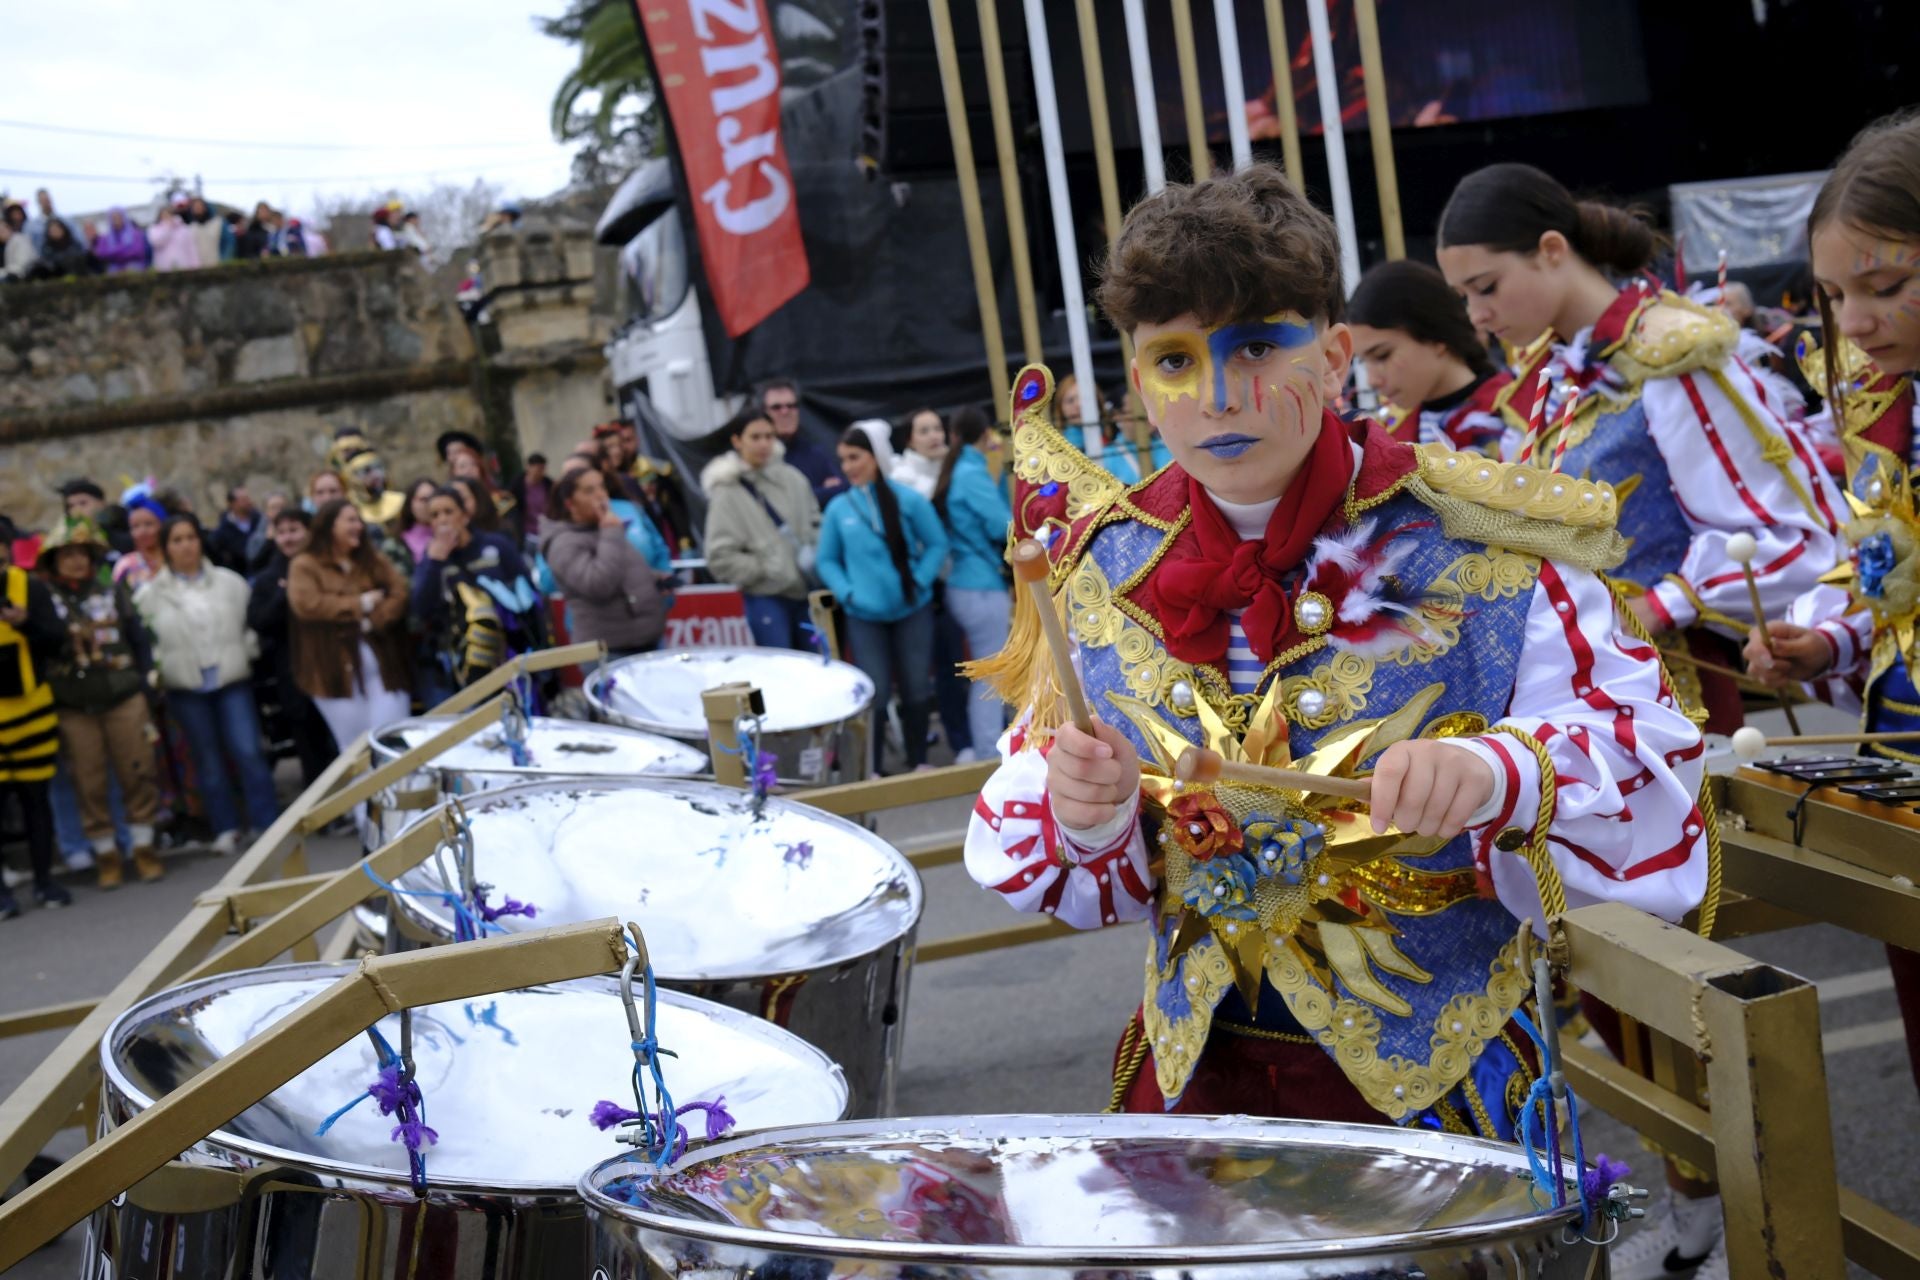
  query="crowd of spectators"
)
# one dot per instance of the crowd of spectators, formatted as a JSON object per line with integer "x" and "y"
{"x": 176, "y": 658}
{"x": 185, "y": 232}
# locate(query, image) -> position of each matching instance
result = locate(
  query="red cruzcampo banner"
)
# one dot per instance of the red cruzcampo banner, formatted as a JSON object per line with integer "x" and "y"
{"x": 716, "y": 63}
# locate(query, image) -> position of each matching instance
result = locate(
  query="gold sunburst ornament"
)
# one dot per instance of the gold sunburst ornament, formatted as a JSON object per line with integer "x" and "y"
{"x": 1263, "y": 869}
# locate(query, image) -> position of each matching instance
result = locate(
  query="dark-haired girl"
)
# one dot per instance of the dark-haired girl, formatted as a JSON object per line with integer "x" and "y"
{"x": 881, "y": 547}
{"x": 1664, "y": 410}
{"x": 1436, "y": 382}
{"x": 349, "y": 634}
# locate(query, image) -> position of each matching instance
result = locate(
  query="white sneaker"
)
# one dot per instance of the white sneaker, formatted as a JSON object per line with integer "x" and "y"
{"x": 226, "y": 844}
{"x": 14, "y": 879}
{"x": 1715, "y": 1267}
{"x": 966, "y": 755}
{"x": 79, "y": 860}
{"x": 1657, "y": 1251}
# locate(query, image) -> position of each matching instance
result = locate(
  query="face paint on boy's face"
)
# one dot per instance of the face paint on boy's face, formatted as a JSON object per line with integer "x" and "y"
{"x": 1240, "y": 403}
{"x": 1207, "y": 365}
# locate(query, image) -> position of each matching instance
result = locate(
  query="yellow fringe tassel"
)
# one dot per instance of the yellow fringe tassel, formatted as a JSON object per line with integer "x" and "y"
{"x": 1022, "y": 672}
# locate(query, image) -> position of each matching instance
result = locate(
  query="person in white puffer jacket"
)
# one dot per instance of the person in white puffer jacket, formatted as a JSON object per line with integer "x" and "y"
{"x": 196, "y": 613}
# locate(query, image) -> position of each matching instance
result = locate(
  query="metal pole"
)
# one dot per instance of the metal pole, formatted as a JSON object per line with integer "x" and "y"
{"x": 1010, "y": 198}
{"x": 1282, "y": 58}
{"x": 976, "y": 222}
{"x": 1063, "y": 235}
{"x": 1095, "y": 70}
{"x": 1190, "y": 89}
{"x": 1146, "y": 104}
{"x": 1226, "y": 30}
{"x": 1380, "y": 128}
{"x": 1324, "y": 73}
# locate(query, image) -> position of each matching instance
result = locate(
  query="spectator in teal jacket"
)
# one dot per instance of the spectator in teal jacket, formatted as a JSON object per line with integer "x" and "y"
{"x": 881, "y": 548}
{"x": 975, "y": 515}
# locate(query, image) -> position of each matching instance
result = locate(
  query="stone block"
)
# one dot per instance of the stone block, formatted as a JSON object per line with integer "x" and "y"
{"x": 264, "y": 358}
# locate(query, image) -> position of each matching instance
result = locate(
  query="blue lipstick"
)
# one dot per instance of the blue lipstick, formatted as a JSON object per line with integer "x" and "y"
{"x": 1230, "y": 445}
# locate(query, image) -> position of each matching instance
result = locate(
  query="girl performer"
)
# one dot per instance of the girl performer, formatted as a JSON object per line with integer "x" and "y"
{"x": 1436, "y": 382}
{"x": 1644, "y": 392}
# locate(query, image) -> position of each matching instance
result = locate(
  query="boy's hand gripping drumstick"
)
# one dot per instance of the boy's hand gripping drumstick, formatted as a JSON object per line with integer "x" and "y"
{"x": 1030, "y": 566}
{"x": 1199, "y": 767}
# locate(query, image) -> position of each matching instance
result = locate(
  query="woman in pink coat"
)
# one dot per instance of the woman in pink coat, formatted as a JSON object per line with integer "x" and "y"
{"x": 174, "y": 245}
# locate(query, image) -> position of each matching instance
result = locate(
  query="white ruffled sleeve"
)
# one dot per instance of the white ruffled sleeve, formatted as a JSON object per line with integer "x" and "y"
{"x": 1016, "y": 848}
{"x": 1627, "y": 763}
{"x": 1738, "y": 467}
{"x": 1848, "y": 635}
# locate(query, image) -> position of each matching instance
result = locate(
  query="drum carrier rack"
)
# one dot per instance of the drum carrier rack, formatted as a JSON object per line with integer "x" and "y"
{"x": 1753, "y": 1027}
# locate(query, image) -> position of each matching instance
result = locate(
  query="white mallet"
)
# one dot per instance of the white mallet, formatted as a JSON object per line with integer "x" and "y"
{"x": 1741, "y": 549}
{"x": 1750, "y": 744}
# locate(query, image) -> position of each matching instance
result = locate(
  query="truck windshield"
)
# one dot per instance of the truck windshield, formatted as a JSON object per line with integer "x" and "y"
{"x": 655, "y": 262}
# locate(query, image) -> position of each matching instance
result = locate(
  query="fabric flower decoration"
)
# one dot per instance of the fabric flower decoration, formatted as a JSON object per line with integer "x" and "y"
{"x": 1285, "y": 847}
{"x": 1222, "y": 887}
{"x": 1202, "y": 826}
{"x": 1875, "y": 559}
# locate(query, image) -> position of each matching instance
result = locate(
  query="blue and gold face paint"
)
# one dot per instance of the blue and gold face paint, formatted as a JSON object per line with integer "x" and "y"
{"x": 1191, "y": 363}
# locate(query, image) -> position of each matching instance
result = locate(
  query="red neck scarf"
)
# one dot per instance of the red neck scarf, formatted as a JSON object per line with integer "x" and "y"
{"x": 1214, "y": 573}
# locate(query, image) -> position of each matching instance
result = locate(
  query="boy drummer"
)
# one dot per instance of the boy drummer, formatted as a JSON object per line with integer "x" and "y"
{"x": 1293, "y": 590}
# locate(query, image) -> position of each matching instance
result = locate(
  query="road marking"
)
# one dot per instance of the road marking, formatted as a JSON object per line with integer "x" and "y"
{"x": 1865, "y": 1036}
{"x": 1848, "y": 985}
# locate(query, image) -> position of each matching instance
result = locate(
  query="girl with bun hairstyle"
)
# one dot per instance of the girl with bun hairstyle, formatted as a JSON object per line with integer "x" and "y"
{"x": 1436, "y": 382}
{"x": 1663, "y": 410}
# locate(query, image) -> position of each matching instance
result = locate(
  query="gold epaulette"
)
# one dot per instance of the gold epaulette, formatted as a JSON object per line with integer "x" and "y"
{"x": 1525, "y": 490}
{"x": 1676, "y": 335}
{"x": 1521, "y": 507}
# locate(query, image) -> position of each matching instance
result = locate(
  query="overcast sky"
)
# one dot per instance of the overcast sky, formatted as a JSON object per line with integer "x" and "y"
{"x": 402, "y": 93}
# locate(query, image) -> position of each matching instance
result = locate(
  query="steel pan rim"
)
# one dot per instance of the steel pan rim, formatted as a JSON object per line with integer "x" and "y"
{"x": 263, "y": 1153}
{"x": 384, "y": 753}
{"x": 479, "y": 802}
{"x": 594, "y": 684}
{"x": 1314, "y": 1132}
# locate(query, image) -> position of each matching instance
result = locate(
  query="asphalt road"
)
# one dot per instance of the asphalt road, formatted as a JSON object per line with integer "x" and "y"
{"x": 1030, "y": 1029}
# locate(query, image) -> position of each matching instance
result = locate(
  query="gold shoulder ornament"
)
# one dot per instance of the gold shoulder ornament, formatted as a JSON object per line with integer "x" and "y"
{"x": 1519, "y": 507}
{"x": 1675, "y": 335}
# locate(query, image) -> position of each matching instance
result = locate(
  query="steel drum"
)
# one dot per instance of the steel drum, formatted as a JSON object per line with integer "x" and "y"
{"x": 508, "y": 1083}
{"x": 485, "y": 762}
{"x": 816, "y": 708}
{"x": 785, "y": 911}
{"x": 1076, "y": 1197}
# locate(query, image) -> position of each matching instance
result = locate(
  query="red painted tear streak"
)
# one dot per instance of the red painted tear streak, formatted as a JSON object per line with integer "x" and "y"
{"x": 1257, "y": 406}
{"x": 1299, "y": 408}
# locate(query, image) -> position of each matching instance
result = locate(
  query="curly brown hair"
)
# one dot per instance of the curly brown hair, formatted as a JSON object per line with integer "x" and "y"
{"x": 1238, "y": 246}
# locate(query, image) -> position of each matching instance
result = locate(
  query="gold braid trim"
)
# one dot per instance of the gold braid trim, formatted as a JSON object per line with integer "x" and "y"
{"x": 1127, "y": 1062}
{"x": 1774, "y": 446}
{"x": 1546, "y": 876}
{"x": 1710, "y": 823}
{"x": 1252, "y": 1032}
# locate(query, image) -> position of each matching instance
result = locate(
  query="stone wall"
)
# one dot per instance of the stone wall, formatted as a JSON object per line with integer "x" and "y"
{"x": 242, "y": 374}
{"x": 235, "y": 374}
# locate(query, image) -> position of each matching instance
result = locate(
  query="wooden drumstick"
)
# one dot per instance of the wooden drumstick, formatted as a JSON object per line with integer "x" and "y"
{"x": 1200, "y": 766}
{"x": 1749, "y": 742}
{"x": 1741, "y": 549}
{"x": 1030, "y": 566}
